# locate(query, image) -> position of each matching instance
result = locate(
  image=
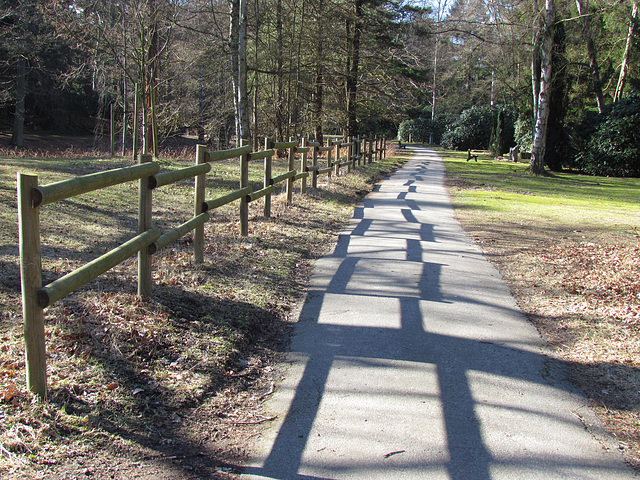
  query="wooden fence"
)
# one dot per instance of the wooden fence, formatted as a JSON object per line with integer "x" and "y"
{"x": 31, "y": 196}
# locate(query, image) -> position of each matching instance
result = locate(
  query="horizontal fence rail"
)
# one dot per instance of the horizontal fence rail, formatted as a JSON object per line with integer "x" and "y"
{"x": 73, "y": 187}
{"x": 31, "y": 196}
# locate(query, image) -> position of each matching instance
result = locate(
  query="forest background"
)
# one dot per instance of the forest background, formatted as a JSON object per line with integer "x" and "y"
{"x": 487, "y": 73}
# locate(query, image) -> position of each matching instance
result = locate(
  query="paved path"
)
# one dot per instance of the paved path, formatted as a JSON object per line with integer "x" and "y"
{"x": 411, "y": 360}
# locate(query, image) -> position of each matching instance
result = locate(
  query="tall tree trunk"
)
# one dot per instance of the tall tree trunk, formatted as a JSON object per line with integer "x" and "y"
{"x": 435, "y": 77}
{"x": 150, "y": 69}
{"x": 279, "y": 73}
{"x": 318, "y": 94}
{"x": 441, "y": 8}
{"x": 354, "y": 33}
{"x": 583, "y": 10}
{"x": 238, "y": 48}
{"x": 125, "y": 92}
{"x": 625, "y": 57}
{"x": 17, "y": 137}
{"x": 556, "y": 139}
{"x": 541, "y": 114}
{"x": 243, "y": 98}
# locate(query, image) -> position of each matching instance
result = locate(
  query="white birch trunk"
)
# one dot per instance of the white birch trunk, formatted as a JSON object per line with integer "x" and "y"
{"x": 546, "y": 76}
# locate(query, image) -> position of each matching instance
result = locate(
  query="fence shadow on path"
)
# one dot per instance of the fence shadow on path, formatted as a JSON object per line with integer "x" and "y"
{"x": 480, "y": 383}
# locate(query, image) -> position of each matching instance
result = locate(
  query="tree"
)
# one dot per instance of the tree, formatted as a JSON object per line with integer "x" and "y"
{"x": 542, "y": 71}
{"x": 238, "y": 48}
{"x": 39, "y": 73}
{"x": 627, "y": 51}
{"x": 583, "y": 11}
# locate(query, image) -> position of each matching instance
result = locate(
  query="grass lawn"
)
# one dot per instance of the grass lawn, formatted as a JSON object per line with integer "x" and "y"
{"x": 568, "y": 245}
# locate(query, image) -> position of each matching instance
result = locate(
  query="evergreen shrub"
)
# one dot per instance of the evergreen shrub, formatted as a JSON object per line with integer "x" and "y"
{"x": 612, "y": 145}
{"x": 420, "y": 129}
{"x": 476, "y": 128}
{"x": 524, "y": 133}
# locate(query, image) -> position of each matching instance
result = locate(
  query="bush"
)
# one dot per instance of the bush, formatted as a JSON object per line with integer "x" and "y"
{"x": 416, "y": 130}
{"x": 476, "y": 128}
{"x": 613, "y": 145}
{"x": 420, "y": 129}
{"x": 524, "y": 133}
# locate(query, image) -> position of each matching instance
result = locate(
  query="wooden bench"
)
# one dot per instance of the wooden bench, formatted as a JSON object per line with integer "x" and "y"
{"x": 470, "y": 156}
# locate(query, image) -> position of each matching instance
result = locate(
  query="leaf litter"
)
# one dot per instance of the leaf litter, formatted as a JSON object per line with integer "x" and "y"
{"x": 580, "y": 288}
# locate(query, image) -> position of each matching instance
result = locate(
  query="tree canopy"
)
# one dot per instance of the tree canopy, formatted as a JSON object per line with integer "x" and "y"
{"x": 281, "y": 68}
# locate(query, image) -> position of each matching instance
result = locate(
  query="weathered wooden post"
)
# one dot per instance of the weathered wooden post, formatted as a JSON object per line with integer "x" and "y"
{"x": 372, "y": 149}
{"x": 198, "y": 206}
{"x": 244, "y": 182}
{"x": 376, "y": 150}
{"x": 31, "y": 281}
{"x": 303, "y": 167}
{"x": 370, "y": 152}
{"x": 290, "y": 180}
{"x": 145, "y": 222}
{"x": 350, "y": 154}
{"x": 314, "y": 163}
{"x": 337, "y": 144}
{"x": 268, "y": 171}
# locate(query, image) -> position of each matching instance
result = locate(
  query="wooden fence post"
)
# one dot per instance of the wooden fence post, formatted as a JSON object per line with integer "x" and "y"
{"x": 244, "y": 182}
{"x": 145, "y": 222}
{"x": 290, "y": 181}
{"x": 375, "y": 148}
{"x": 31, "y": 281}
{"x": 267, "y": 177}
{"x": 303, "y": 168}
{"x": 370, "y": 154}
{"x": 198, "y": 206}
{"x": 337, "y": 160}
{"x": 314, "y": 161}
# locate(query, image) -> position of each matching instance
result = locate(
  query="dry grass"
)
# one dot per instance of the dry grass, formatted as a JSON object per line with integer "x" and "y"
{"x": 165, "y": 387}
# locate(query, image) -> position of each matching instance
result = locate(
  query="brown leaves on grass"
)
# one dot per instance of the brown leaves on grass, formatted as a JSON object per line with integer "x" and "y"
{"x": 584, "y": 297}
{"x": 603, "y": 279}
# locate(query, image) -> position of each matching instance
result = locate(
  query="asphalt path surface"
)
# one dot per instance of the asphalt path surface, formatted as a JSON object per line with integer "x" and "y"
{"x": 411, "y": 360}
